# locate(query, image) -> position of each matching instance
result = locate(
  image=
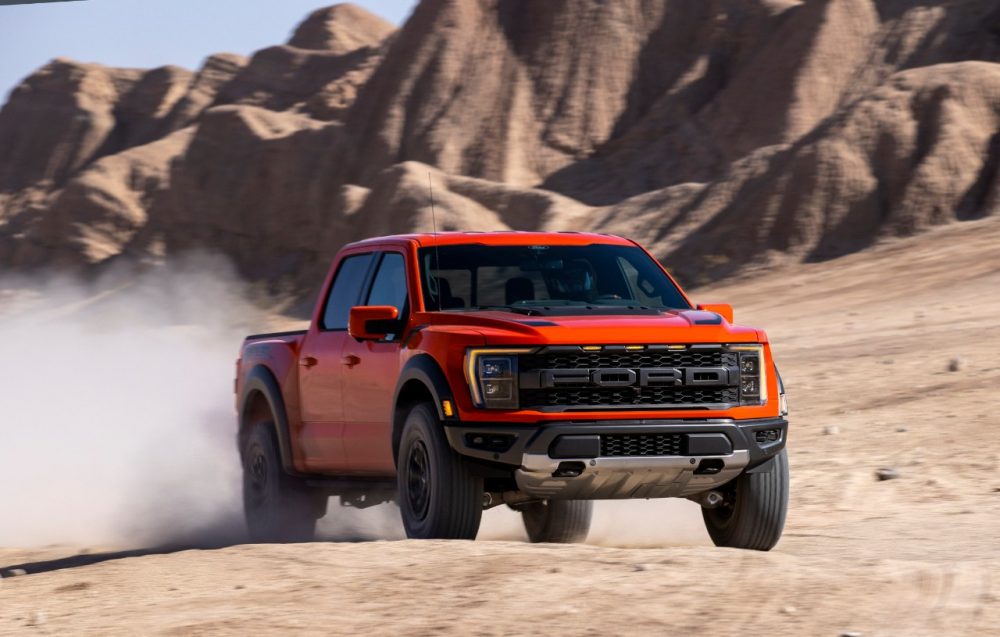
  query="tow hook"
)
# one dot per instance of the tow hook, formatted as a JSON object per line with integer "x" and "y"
{"x": 710, "y": 499}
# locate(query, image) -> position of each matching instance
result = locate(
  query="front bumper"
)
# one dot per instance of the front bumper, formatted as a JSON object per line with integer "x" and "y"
{"x": 568, "y": 460}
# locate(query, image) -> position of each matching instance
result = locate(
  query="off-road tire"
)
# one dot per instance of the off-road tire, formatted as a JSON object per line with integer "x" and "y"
{"x": 438, "y": 497}
{"x": 276, "y": 506}
{"x": 557, "y": 521}
{"x": 753, "y": 512}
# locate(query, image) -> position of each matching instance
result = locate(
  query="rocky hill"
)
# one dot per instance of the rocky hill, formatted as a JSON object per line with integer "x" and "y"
{"x": 721, "y": 133}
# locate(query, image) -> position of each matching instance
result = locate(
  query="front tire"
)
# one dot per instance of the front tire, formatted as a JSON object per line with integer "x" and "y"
{"x": 276, "y": 507}
{"x": 557, "y": 521}
{"x": 752, "y": 515}
{"x": 438, "y": 497}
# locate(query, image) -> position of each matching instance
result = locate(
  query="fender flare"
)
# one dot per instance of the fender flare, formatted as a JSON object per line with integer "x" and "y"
{"x": 422, "y": 368}
{"x": 261, "y": 380}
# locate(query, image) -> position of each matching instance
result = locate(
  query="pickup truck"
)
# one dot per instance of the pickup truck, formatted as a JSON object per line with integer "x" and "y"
{"x": 455, "y": 372}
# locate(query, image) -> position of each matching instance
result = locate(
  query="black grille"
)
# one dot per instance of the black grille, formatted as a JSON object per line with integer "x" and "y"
{"x": 628, "y": 396}
{"x": 641, "y": 444}
{"x": 585, "y": 395}
{"x": 632, "y": 360}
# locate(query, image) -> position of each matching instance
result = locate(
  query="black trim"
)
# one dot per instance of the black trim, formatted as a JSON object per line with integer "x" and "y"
{"x": 710, "y": 321}
{"x": 555, "y": 409}
{"x": 576, "y": 447}
{"x": 539, "y": 438}
{"x": 260, "y": 379}
{"x": 424, "y": 369}
{"x": 254, "y": 337}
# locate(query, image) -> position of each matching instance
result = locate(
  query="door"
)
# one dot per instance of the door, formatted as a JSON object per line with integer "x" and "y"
{"x": 372, "y": 368}
{"x": 321, "y": 368}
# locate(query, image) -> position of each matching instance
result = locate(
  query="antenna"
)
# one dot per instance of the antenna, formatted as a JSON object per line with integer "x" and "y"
{"x": 437, "y": 248}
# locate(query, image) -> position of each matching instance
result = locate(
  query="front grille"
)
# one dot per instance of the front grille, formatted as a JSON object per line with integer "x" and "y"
{"x": 616, "y": 445}
{"x": 582, "y": 393}
{"x": 557, "y": 359}
{"x": 628, "y": 396}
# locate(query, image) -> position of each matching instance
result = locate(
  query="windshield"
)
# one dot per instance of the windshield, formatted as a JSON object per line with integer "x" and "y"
{"x": 556, "y": 279}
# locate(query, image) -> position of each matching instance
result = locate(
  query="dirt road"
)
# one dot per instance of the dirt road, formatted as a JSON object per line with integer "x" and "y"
{"x": 865, "y": 345}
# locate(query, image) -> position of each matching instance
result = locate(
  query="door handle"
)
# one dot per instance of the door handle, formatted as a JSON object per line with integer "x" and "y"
{"x": 351, "y": 360}
{"x": 308, "y": 361}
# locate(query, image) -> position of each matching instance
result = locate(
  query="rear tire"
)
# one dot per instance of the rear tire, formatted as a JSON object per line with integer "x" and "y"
{"x": 438, "y": 496}
{"x": 752, "y": 515}
{"x": 277, "y": 508}
{"x": 557, "y": 521}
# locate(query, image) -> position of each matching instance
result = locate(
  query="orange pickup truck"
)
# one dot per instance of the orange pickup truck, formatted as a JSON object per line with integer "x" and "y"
{"x": 456, "y": 372}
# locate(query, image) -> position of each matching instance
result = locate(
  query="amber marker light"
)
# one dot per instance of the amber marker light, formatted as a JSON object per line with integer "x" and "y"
{"x": 447, "y": 408}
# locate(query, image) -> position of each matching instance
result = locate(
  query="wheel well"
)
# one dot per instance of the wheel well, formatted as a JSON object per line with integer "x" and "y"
{"x": 256, "y": 410}
{"x": 413, "y": 392}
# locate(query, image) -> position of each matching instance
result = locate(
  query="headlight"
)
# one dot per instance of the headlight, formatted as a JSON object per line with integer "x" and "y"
{"x": 753, "y": 374}
{"x": 492, "y": 377}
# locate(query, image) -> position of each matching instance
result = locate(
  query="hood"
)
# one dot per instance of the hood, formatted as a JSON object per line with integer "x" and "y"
{"x": 671, "y": 326}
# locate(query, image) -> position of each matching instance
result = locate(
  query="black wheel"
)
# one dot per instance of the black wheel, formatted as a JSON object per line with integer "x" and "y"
{"x": 276, "y": 507}
{"x": 438, "y": 497}
{"x": 560, "y": 521}
{"x": 752, "y": 515}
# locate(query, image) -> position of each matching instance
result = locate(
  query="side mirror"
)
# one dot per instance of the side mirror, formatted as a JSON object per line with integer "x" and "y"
{"x": 724, "y": 310}
{"x": 372, "y": 322}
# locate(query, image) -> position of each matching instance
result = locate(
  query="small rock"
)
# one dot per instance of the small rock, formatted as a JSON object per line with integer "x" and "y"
{"x": 36, "y": 619}
{"x": 239, "y": 587}
{"x": 70, "y": 588}
{"x": 886, "y": 473}
{"x": 554, "y": 569}
{"x": 831, "y": 430}
{"x": 850, "y": 634}
{"x": 789, "y": 610}
{"x": 639, "y": 567}
{"x": 901, "y": 430}
{"x": 957, "y": 364}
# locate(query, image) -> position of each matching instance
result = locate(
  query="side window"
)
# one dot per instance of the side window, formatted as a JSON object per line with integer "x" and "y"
{"x": 389, "y": 286}
{"x": 345, "y": 291}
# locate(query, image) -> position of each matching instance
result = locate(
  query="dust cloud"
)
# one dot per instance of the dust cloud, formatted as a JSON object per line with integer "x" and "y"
{"x": 117, "y": 424}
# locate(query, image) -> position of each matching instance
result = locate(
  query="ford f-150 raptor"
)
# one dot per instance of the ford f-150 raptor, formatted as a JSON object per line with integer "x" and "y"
{"x": 455, "y": 372}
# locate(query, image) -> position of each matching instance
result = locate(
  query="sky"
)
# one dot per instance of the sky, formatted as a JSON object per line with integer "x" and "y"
{"x": 151, "y": 33}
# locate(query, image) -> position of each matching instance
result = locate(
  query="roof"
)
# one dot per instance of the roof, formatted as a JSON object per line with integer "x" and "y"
{"x": 509, "y": 237}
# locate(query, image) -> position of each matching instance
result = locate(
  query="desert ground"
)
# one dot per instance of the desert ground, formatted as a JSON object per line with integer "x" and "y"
{"x": 891, "y": 357}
